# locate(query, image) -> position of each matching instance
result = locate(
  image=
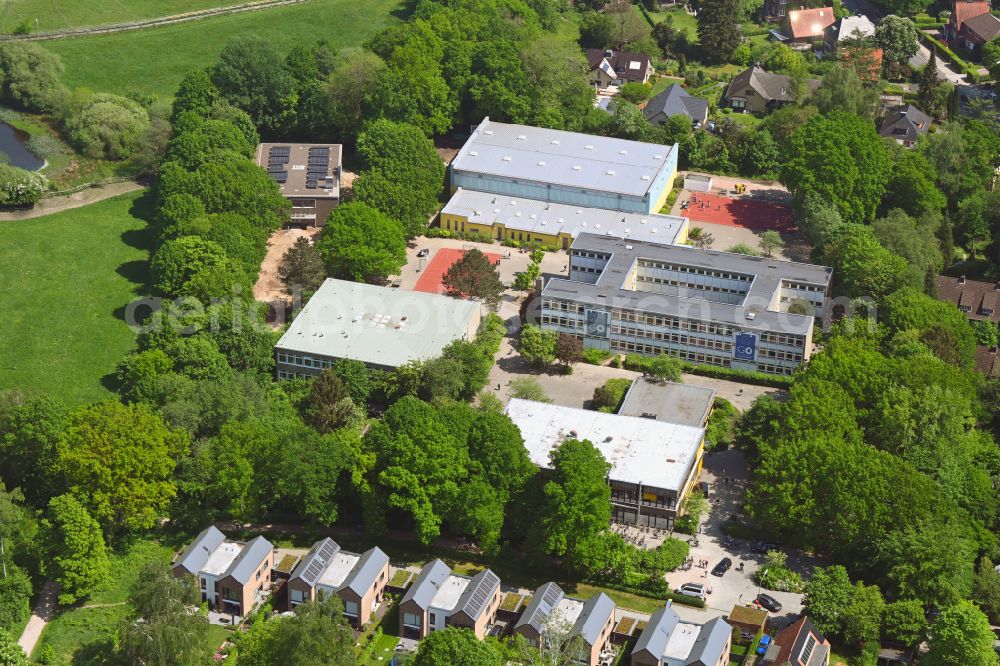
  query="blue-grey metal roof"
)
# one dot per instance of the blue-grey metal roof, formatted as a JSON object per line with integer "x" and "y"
{"x": 656, "y": 635}
{"x": 476, "y": 595}
{"x": 311, "y": 567}
{"x": 427, "y": 584}
{"x": 363, "y": 575}
{"x": 593, "y": 617}
{"x": 544, "y": 600}
{"x": 249, "y": 559}
{"x": 570, "y": 159}
{"x": 675, "y": 101}
{"x": 710, "y": 644}
{"x": 193, "y": 557}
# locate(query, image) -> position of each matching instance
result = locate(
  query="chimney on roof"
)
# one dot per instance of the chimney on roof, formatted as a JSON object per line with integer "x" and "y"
{"x": 961, "y": 279}
{"x": 609, "y": 53}
{"x": 996, "y": 287}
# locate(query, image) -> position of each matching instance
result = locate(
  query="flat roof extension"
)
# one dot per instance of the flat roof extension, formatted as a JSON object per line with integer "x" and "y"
{"x": 570, "y": 159}
{"x": 670, "y": 402}
{"x": 543, "y": 217}
{"x": 296, "y": 166}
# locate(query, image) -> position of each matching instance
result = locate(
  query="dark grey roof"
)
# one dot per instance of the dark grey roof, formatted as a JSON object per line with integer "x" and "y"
{"x": 248, "y": 560}
{"x": 593, "y": 617}
{"x": 427, "y": 584}
{"x": 905, "y": 122}
{"x": 363, "y": 575}
{"x": 710, "y": 644}
{"x": 314, "y": 563}
{"x": 767, "y": 275}
{"x": 987, "y": 26}
{"x": 621, "y": 62}
{"x": 656, "y": 635}
{"x": 777, "y": 87}
{"x": 675, "y": 101}
{"x": 194, "y": 557}
{"x": 544, "y": 600}
{"x": 476, "y": 595}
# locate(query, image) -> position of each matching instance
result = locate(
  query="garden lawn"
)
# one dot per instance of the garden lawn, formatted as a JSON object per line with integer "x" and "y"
{"x": 83, "y": 634}
{"x": 64, "y": 281}
{"x": 62, "y": 14}
{"x": 156, "y": 59}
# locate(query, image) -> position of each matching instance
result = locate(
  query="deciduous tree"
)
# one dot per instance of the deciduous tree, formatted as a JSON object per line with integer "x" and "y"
{"x": 361, "y": 243}
{"x": 76, "y": 557}
{"x": 897, "y": 37}
{"x": 961, "y": 635}
{"x": 537, "y": 346}
{"x": 251, "y": 75}
{"x": 474, "y": 277}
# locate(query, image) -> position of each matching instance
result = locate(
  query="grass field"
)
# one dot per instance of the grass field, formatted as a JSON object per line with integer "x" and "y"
{"x": 83, "y": 634}
{"x": 155, "y": 60}
{"x": 61, "y": 14}
{"x": 64, "y": 280}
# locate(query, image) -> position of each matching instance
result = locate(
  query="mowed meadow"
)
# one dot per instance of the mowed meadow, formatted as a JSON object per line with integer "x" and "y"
{"x": 154, "y": 60}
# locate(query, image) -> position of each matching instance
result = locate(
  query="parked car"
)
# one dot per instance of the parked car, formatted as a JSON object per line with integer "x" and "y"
{"x": 693, "y": 590}
{"x": 769, "y": 602}
{"x": 722, "y": 567}
{"x": 764, "y": 546}
{"x": 423, "y": 253}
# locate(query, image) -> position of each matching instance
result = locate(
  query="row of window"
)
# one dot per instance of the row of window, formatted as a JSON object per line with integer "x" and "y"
{"x": 590, "y": 255}
{"x": 690, "y": 285}
{"x": 304, "y": 361}
{"x": 779, "y": 355}
{"x": 587, "y": 269}
{"x": 671, "y": 322}
{"x": 694, "y": 357}
{"x": 562, "y": 305}
{"x": 678, "y": 338}
{"x": 282, "y": 374}
{"x": 781, "y": 339}
{"x": 801, "y": 286}
{"x": 680, "y": 268}
{"x": 775, "y": 369}
{"x": 562, "y": 321}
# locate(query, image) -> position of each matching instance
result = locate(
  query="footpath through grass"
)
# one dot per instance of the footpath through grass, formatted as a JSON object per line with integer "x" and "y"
{"x": 63, "y": 14}
{"x": 156, "y": 59}
{"x": 84, "y": 633}
{"x": 65, "y": 280}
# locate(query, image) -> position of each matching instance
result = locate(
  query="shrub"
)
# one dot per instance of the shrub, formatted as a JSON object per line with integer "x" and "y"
{"x": 31, "y": 77}
{"x": 20, "y": 188}
{"x": 595, "y": 356}
{"x": 635, "y": 92}
{"x": 107, "y": 126}
{"x": 608, "y": 397}
{"x": 44, "y": 146}
{"x": 719, "y": 432}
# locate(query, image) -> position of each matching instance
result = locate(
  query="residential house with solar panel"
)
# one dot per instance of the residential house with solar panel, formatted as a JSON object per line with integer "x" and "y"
{"x": 565, "y": 167}
{"x": 234, "y": 577}
{"x": 799, "y": 644}
{"x": 439, "y": 598}
{"x": 308, "y": 175}
{"x": 359, "y": 580}
{"x": 667, "y": 641}
{"x": 588, "y": 623}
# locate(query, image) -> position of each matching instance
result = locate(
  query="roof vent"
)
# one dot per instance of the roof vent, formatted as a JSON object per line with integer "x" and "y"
{"x": 576, "y": 167}
{"x": 751, "y": 316}
{"x": 533, "y": 216}
{"x": 572, "y": 433}
{"x": 506, "y": 158}
{"x": 489, "y": 132}
{"x": 588, "y": 147}
{"x": 610, "y": 172}
{"x": 643, "y": 221}
{"x": 474, "y": 153}
{"x": 522, "y": 137}
{"x": 555, "y": 142}
{"x": 608, "y": 438}
{"x": 623, "y": 152}
{"x": 657, "y": 157}
{"x": 628, "y": 247}
{"x": 477, "y": 212}
{"x": 645, "y": 177}
{"x": 541, "y": 163}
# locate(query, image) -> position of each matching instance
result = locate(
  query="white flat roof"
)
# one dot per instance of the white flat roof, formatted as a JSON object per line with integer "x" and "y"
{"x": 640, "y": 450}
{"x": 542, "y": 217}
{"x": 221, "y": 558}
{"x": 449, "y": 593}
{"x": 682, "y": 639}
{"x": 338, "y": 569}
{"x": 572, "y": 159}
{"x": 569, "y": 610}
{"x": 377, "y": 325}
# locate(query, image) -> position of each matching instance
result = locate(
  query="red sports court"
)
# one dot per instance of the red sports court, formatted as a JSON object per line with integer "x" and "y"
{"x": 746, "y": 213}
{"x": 433, "y": 273}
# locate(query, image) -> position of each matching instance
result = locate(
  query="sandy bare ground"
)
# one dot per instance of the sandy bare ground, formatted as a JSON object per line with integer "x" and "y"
{"x": 268, "y": 287}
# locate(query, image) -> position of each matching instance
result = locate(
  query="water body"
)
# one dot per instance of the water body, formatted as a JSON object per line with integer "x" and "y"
{"x": 12, "y": 143}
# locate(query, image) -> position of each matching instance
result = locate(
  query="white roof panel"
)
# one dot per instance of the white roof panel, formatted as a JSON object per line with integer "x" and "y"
{"x": 640, "y": 450}
{"x": 449, "y": 593}
{"x": 220, "y": 559}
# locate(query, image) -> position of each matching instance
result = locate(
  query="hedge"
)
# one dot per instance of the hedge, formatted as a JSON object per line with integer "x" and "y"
{"x": 943, "y": 50}
{"x": 663, "y": 593}
{"x": 640, "y": 363}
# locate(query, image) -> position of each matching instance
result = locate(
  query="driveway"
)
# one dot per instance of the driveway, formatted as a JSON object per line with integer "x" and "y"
{"x": 43, "y": 613}
{"x": 944, "y": 71}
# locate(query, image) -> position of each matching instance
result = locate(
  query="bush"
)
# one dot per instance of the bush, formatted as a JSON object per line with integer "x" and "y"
{"x": 20, "y": 188}
{"x": 595, "y": 356}
{"x": 635, "y": 92}
{"x": 719, "y": 433}
{"x": 107, "y": 126}
{"x": 640, "y": 363}
{"x": 43, "y": 146}
{"x": 607, "y": 398}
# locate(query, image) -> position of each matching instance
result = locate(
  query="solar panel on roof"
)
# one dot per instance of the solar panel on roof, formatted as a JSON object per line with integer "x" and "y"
{"x": 281, "y": 177}
{"x": 319, "y": 150}
{"x": 310, "y": 184}
{"x": 481, "y": 594}
{"x": 275, "y": 168}
{"x": 551, "y": 596}
{"x": 281, "y": 150}
{"x": 318, "y": 564}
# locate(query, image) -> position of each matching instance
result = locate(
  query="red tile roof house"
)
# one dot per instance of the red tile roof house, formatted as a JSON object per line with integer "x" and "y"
{"x": 809, "y": 26}
{"x": 590, "y": 621}
{"x": 359, "y": 580}
{"x": 234, "y": 577}
{"x": 971, "y": 25}
{"x": 439, "y": 598}
{"x": 978, "y": 300}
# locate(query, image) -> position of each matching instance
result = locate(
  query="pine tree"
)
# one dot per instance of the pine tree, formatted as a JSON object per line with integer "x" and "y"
{"x": 302, "y": 267}
{"x": 330, "y": 405}
{"x": 718, "y": 32}
{"x": 930, "y": 87}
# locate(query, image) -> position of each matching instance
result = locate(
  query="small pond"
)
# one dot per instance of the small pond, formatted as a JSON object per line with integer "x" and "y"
{"x": 12, "y": 143}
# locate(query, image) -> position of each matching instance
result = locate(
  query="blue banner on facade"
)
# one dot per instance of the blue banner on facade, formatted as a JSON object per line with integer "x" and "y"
{"x": 746, "y": 346}
{"x": 597, "y": 323}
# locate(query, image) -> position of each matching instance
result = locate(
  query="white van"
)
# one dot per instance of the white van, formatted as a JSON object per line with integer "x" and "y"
{"x": 692, "y": 590}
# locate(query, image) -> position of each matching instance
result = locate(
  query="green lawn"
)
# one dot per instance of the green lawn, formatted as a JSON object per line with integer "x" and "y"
{"x": 155, "y": 60}
{"x": 64, "y": 281}
{"x": 382, "y": 652}
{"x": 61, "y": 14}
